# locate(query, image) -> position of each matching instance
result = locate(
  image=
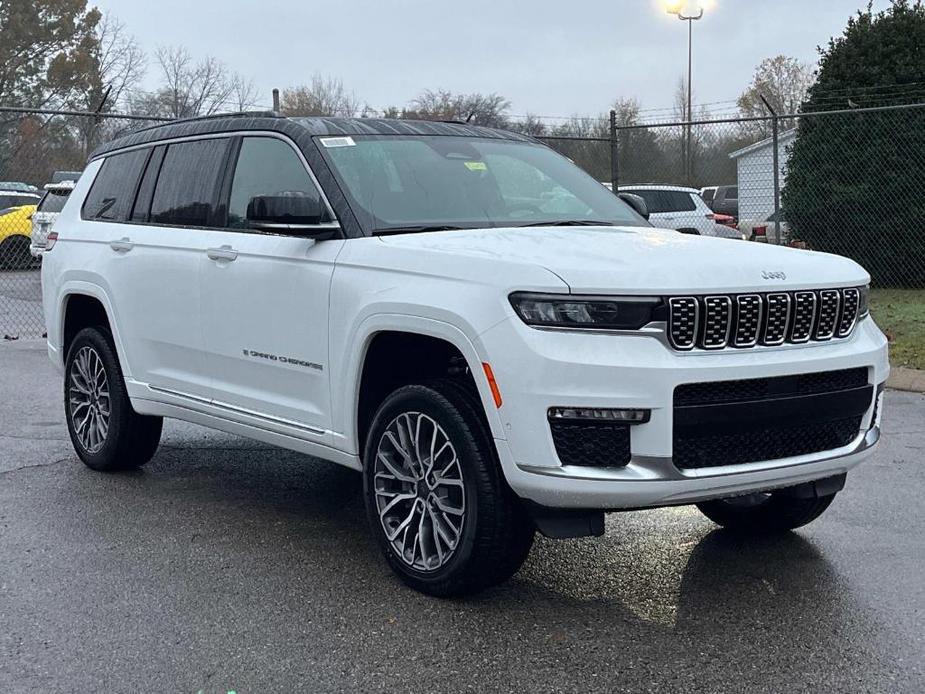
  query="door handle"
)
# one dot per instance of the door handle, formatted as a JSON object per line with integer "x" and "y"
{"x": 225, "y": 252}
{"x": 123, "y": 245}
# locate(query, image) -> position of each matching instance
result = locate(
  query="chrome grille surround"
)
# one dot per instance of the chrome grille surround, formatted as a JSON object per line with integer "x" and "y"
{"x": 769, "y": 319}
{"x": 683, "y": 321}
{"x": 827, "y": 316}
{"x": 717, "y": 322}
{"x": 749, "y": 308}
{"x": 851, "y": 301}
{"x": 804, "y": 316}
{"x": 776, "y": 319}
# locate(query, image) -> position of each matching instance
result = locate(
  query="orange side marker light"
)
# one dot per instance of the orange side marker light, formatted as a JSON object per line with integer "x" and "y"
{"x": 495, "y": 392}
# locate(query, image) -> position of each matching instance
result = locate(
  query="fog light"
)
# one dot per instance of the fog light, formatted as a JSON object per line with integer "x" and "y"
{"x": 600, "y": 414}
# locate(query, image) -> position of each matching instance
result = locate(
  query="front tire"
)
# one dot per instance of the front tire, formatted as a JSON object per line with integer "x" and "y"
{"x": 765, "y": 513}
{"x": 107, "y": 434}
{"x": 436, "y": 499}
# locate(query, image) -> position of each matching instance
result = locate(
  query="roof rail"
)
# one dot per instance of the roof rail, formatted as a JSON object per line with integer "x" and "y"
{"x": 215, "y": 116}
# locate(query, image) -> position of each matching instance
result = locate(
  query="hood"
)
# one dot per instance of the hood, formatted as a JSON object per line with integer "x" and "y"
{"x": 643, "y": 260}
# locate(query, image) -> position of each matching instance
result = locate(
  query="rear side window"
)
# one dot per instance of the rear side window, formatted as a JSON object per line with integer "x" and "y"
{"x": 266, "y": 166}
{"x": 658, "y": 201}
{"x": 53, "y": 201}
{"x": 187, "y": 188}
{"x": 679, "y": 201}
{"x": 732, "y": 193}
{"x": 17, "y": 200}
{"x": 111, "y": 194}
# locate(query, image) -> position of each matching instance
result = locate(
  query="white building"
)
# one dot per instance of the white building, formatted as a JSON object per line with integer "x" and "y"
{"x": 755, "y": 166}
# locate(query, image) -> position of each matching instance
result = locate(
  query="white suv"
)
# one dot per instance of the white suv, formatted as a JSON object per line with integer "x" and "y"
{"x": 496, "y": 341}
{"x": 676, "y": 207}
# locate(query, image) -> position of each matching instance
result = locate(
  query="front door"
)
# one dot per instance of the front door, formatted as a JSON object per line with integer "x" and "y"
{"x": 265, "y": 302}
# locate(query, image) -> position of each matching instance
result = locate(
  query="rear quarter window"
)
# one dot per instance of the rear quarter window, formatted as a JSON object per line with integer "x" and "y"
{"x": 110, "y": 197}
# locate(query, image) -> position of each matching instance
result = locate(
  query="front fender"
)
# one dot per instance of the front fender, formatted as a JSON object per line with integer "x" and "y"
{"x": 345, "y": 383}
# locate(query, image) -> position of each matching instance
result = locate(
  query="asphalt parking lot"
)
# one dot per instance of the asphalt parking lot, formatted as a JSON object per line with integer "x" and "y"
{"x": 227, "y": 565}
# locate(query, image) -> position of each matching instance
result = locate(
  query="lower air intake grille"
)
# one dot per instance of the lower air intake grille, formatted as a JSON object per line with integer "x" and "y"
{"x": 770, "y": 443}
{"x": 591, "y": 444}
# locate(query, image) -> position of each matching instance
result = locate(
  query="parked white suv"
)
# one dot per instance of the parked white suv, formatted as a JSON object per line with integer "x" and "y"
{"x": 49, "y": 207}
{"x": 676, "y": 207}
{"x": 496, "y": 341}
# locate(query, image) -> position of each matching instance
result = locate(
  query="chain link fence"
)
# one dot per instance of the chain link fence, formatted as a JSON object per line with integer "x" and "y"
{"x": 39, "y": 151}
{"x": 846, "y": 182}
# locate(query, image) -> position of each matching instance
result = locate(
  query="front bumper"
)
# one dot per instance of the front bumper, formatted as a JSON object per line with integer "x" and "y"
{"x": 539, "y": 369}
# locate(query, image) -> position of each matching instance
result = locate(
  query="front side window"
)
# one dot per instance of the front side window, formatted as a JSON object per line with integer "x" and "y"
{"x": 111, "y": 194}
{"x": 187, "y": 187}
{"x": 266, "y": 166}
{"x": 409, "y": 183}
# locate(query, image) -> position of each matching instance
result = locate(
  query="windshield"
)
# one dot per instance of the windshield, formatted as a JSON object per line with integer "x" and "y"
{"x": 421, "y": 183}
{"x": 54, "y": 201}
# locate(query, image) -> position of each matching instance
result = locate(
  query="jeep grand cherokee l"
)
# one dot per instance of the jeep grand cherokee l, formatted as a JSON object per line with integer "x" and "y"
{"x": 497, "y": 342}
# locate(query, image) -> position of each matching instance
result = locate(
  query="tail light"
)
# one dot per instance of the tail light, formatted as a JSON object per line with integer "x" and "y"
{"x": 50, "y": 240}
{"x": 760, "y": 233}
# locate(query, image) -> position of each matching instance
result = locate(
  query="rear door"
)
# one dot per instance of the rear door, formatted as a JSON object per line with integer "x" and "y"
{"x": 265, "y": 299}
{"x": 153, "y": 256}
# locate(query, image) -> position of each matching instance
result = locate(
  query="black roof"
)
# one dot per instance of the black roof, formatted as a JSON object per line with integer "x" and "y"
{"x": 296, "y": 126}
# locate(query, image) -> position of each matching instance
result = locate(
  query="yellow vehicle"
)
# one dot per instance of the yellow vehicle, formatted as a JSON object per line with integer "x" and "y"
{"x": 15, "y": 234}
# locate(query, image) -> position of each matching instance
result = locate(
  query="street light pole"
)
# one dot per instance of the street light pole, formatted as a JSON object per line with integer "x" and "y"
{"x": 690, "y": 19}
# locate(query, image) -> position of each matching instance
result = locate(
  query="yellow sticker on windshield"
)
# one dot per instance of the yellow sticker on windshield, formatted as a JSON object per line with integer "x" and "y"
{"x": 476, "y": 166}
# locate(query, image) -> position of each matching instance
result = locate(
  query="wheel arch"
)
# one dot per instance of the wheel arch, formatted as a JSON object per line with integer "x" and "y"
{"x": 440, "y": 335}
{"x": 93, "y": 302}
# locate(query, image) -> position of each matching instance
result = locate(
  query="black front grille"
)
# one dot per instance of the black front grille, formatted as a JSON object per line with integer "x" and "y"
{"x": 762, "y": 388}
{"x": 758, "y": 419}
{"x": 767, "y": 443}
{"x": 591, "y": 444}
{"x": 746, "y": 320}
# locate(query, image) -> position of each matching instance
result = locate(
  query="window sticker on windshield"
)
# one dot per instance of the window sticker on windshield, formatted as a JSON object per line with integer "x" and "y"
{"x": 337, "y": 142}
{"x": 476, "y": 166}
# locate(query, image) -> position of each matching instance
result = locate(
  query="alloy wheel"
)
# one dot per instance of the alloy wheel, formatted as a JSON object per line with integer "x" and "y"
{"x": 420, "y": 494}
{"x": 88, "y": 399}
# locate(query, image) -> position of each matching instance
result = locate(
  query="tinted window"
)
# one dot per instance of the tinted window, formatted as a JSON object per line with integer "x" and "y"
{"x": 707, "y": 195}
{"x": 17, "y": 200}
{"x": 112, "y": 192}
{"x": 732, "y": 193}
{"x": 187, "y": 186}
{"x": 146, "y": 189}
{"x": 54, "y": 201}
{"x": 266, "y": 166}
{"x": 664, "y": 200}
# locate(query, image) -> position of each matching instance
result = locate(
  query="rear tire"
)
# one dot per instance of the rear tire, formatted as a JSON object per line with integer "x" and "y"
{"x": 447, "y": 522}
{"x": 108, "y": 435}
{"x": 764, "y": 513}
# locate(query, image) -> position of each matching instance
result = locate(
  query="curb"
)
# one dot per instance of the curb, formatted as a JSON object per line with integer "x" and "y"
{"x": 902, "y": 378}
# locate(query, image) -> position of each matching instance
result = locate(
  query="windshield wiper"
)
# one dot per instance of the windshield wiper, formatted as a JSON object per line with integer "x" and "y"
{"x": 569, "y": 223}
{"x": 385, "y": 231}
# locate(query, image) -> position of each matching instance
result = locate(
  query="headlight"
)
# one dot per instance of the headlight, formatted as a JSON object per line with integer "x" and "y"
{"x": 585, "y": 312}
{"x": 863, "y": 301}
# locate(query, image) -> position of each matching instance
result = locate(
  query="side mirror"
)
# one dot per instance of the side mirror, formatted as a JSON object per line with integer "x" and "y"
{"x": 296, "y": 215}
{"x": 636, "y": 202}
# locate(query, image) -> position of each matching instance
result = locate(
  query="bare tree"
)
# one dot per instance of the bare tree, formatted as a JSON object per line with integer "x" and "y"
{"x": 120, "y": 64}
{"x": 783, "y": 81}
{"x": 479, "y": 109}
{"x": 193, "y": 87}
{"x": 324, "y": 96}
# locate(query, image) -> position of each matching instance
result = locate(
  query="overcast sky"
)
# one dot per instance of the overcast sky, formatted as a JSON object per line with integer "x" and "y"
{"x": 548, "y": 57}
